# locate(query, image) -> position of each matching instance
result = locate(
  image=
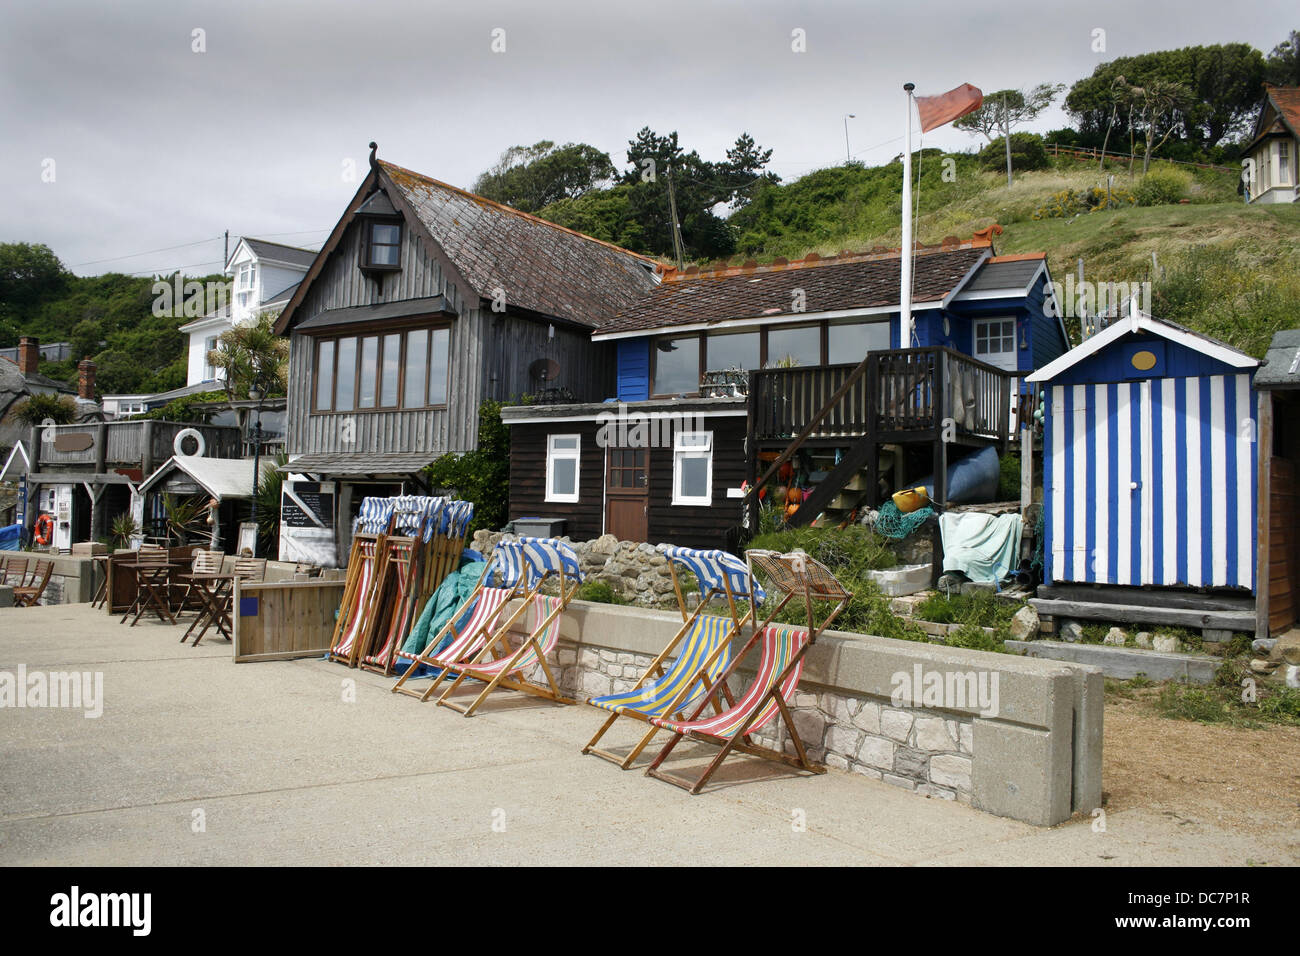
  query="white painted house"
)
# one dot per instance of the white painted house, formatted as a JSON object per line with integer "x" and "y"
{"x": 264, "y": 276}
{"x": 1270, "y": 159}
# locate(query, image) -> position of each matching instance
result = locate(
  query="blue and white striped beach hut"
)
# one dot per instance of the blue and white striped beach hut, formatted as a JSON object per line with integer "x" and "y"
{"x": 1149, "y": 460}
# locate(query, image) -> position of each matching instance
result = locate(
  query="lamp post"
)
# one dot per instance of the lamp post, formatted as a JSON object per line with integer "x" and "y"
{"x": 258, "y": 395}
{"x": 848, "y": 157}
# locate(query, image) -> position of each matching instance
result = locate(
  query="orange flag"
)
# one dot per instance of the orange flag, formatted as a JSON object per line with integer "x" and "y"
{"x": 937, "y": 110}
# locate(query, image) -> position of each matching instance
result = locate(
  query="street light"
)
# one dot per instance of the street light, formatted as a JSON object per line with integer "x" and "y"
{"x": 848, "y": 157}
{"x": 257, "y": 394}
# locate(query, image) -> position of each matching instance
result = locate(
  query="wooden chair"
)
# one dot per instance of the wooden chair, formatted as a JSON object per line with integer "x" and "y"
{"x": 705, "y": 641}
{"x": 252, "y": 570}
{"x": 546, "y": 558}
{"x": 202, "y": 562}
{"x": 149, "y": 555}
{"x": 30, "y": 594}
{"x": 14, "y": 571}
{"x": 780, "y": 665}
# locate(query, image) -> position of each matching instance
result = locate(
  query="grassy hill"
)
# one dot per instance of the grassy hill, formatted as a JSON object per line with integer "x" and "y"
{"x": 1228, "y": 269}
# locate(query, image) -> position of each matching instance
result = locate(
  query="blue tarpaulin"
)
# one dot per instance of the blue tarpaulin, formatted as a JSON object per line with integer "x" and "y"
{"x": 11, "y": 537}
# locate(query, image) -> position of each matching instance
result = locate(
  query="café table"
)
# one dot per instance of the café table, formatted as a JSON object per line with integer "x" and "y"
{"x": 150, "y": 577}
{"x": 215, "y": 591}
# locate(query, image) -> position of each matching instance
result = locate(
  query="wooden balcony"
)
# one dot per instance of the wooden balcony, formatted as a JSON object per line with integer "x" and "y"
{"x": 139, "y": 444}
{"x": 893, "y": 394}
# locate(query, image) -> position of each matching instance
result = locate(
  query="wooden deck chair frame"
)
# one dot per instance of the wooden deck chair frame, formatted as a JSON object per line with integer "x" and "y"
{"x": 656, "y": 671}
{"x": 354, "y": 607}
{"x": 792, "y": 575}
{"x": 501, "y": 677}
{"x": 519, "y": 589}
{"x": 403, "y": 569}
{"x": 28, "y": 594}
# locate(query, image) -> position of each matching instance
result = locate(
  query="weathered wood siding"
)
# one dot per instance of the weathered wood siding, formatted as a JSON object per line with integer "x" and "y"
{"x": 692, "y": 527}
{"x": 513, "y": 343}
{"x": 528, "y": 477}
{"x": 341, "y": 285}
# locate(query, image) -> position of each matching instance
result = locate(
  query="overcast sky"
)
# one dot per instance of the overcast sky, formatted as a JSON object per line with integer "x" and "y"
{"x": 155, "y": 145}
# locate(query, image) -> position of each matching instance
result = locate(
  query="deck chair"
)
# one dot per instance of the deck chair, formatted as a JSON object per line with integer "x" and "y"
{"x": 705, "y": 641}
{"x": 500, "y": 665}
{"x": 415, "y": 520}
{"x": 28, "y": 595}
{"x": 356, "y": 609}
{"x": 506, "y": 577}
{"x": 782, "y": 650}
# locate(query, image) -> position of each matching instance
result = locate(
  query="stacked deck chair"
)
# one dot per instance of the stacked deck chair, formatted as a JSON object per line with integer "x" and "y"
{"x": 672, "y": 690}
{"x": 498, "y": 663}
{"x": 399, "y": 579}
{"x": 356, "y": 608}
{"x": 780, "y": 665}
{"x": 505, "y": 577}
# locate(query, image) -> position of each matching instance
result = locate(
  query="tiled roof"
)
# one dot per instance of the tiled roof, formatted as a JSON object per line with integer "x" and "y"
{"x": 847, "y": 281}
{"x": 538, "y": 265}
{"x": 265, "y": 249}
{"x": 1005, "y": 272}
{"x": 1285, "y": 100}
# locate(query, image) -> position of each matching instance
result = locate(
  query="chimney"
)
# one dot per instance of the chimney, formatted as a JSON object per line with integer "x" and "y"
{"x": 86, "y": 379}
{"x": 29, "y": 354}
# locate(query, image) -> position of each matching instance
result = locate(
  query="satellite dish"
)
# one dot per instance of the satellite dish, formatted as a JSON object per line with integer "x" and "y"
{"x": 544, "y": 370}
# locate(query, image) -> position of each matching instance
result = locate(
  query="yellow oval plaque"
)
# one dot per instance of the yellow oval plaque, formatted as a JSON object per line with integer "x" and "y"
{"x": 1144, "y": 361}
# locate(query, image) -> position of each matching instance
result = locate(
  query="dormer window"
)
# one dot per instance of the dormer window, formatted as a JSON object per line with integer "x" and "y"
{"x": 383, "y": 246}
{"x": 381, "y": 234}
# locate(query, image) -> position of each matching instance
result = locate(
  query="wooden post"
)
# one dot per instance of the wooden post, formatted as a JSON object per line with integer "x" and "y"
{"x": 1264, "y": 510}
{"x": 751, "y": 458}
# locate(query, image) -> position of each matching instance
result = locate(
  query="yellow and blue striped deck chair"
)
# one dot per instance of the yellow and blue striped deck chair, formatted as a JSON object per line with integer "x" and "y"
{"x": 705, "y": 641}
{"x": 782, "y": 650}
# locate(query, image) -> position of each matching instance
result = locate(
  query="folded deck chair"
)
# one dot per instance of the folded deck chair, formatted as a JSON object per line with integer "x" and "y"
{"x": 399, "y": 590}
{"x": 356, "y": 610}
{"x": 705, "y": 641}
{"x": 500, "y": 665}
{"x": 505, "y": 577}
{"x": 780, "y": 666}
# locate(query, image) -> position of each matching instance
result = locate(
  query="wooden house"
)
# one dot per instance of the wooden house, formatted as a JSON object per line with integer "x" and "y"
{"x": 736, "y": 372}
{"x": 1150, "y": 478}
{"x": 425, "y": 301}
{"x": 1270, "y": 174}
{"x": 1278, "y": 461}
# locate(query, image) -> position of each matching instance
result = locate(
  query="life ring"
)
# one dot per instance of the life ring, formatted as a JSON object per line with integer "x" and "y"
{"x": 44, "y": 529}
{"x": 178, "y": 441}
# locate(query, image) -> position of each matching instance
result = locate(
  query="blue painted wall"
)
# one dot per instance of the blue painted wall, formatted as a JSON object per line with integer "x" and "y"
{"x": 633, "y": 370}
{"x": 1114, "y": 363}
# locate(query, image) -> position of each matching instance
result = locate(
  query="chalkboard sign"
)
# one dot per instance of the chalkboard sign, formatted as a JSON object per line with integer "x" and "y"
{"x": 307, "y": 522}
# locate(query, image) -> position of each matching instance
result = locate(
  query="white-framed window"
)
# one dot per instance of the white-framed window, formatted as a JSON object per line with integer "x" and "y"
{"x": 693, "y": 468}
{"x": 1283, "y": 162}
{"x": 995, "y": 341}
{"x": 562, "y": 454}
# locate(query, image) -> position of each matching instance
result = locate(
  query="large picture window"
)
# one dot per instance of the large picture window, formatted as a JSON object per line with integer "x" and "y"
{"x": 382, "y": 371}
{"x": 562, "y": 455}
{"x": 693, "y": 468}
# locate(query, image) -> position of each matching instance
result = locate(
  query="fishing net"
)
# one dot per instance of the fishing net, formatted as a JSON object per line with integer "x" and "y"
{"x": 893, "y": 523}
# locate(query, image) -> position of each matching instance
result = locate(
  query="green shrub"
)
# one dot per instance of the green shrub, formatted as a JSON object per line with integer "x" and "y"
{"x": 980, "y": 608}
{"x": 1027, "y": 153}
{"x": 1009, "y": 478}
{"x": 599, "y": 592}
{"x": 851, "y": 551}
{"x": 1072, "y": 202}
{"x": 1281, "y": 706}
{"x": 35, "y": 409}
{"x": 974, "y": 637}
{"x": 1162, "y": 186}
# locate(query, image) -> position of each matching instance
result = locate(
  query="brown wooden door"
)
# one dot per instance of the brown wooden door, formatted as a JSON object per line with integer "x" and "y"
{"x": 627, "y": 484}
{"x": 1282, "y": 546}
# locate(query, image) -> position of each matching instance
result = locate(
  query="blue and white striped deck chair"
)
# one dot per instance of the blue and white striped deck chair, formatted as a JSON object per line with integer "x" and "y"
{"x": 374, "y": 515}
{"x": 477, "y": 621}
{"x": 499, "y": 664}
{"x": 705, "y": 646}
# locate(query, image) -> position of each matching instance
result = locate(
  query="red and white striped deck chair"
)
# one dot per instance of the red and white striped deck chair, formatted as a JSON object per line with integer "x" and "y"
{"x": 505, "y": 577}
{"x": 780, "y": 665}
{"x": 357, "y": 608}
{"x": 499, "y": 664}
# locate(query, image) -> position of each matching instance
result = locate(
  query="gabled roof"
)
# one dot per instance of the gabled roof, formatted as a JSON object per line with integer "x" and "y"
{"x": 1280, "y": 113}
{"x": 276, "y": 251}
{"x": 1139, "y": 321}
{"x": 540, "y": 266}
{"x": 1281, "y": 367}
{"x": 848, "y": 282}
{"x": 220, "y": 477}
{"x": 1005, "y": 273}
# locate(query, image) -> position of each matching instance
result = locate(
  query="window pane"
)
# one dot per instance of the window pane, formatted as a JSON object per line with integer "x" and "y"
{"x": 441, "y": 338}
{"x": 565, "y": 471}
{"x": 383, "y": 255}
{"x": 801, "y": 346}
{"x": 417, "y": 364}
{"x": 345, "y": 397}
{"x": 694, "y": 476}
{"x": 677, "y": 366}
{"x": 392, "y": 362}
{"x": 369, "y": 370}
{"x": 738, "y": 350}
{"x": 325, "y": 375}
{"x": 385, "y": 234}
{"x": 564, "y": 442}
{"x": 851, "y": 342}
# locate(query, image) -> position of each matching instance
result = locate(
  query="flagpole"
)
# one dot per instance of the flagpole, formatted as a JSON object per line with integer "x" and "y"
{"x": 905, "y": 291}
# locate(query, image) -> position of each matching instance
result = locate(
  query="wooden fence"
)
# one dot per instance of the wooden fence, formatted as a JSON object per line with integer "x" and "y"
{"x": 282, "y": 620}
